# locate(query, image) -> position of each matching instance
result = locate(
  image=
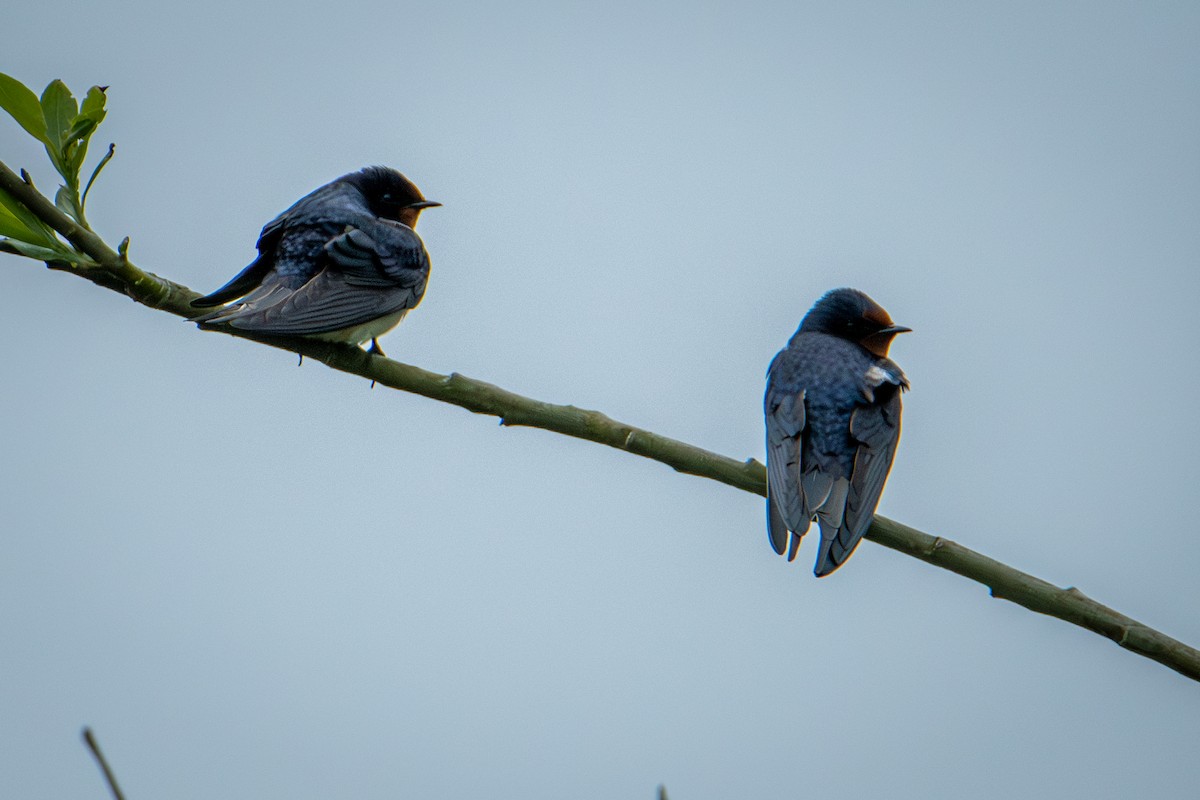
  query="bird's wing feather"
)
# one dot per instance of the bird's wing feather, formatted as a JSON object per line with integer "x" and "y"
{"x": 777, "y": 530}
{"x": 264, "y": 295}
{"x": 289, "y": 236}
{"x": 876, "y": 429}
{"x": 390, "y": 255}
{"x": 243, "y": 282}
{"x": 785, "y": 423}
{"x": 361, "y": 277}
{"x": 327, "y": 303}
{"x": 254, "y": 273}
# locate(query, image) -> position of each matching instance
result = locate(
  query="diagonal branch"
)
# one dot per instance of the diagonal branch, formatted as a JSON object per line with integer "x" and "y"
{"x": 113, "y": 271}
{"x": 90, "y": 740}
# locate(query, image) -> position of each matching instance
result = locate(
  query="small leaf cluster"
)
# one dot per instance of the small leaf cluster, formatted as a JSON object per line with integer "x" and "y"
{"x": 64, "y": 126}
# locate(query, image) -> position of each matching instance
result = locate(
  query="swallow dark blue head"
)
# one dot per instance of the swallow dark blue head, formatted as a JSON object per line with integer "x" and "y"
{"x": 833, "y": 421}
{"x": 852, "y": 315}
{"x": 344, "y": 264}
{"x": 389, "y": 194}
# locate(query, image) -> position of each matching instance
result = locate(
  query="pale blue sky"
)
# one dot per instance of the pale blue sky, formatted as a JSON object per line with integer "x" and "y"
{"x": 256, "y": 580}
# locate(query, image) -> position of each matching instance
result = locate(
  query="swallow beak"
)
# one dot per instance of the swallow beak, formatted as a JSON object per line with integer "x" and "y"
{"x": 423, "y": 204}
{"x": 894, "y": 329}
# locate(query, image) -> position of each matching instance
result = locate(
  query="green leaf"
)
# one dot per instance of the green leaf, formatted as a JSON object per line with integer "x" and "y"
{"x": 75, "y": 151}
{"x": 81, "y": 128}
{"x": 40, "y": 253}
{"x": 42, "y": 233}
{"x": 22, "y": 104}
{"x": 65, "y": 200}
{"x": 13, "y": 228}
{"x": 59, "y": 110}
{"x": 91, "y": 114}
{"x": 93, "y": 104}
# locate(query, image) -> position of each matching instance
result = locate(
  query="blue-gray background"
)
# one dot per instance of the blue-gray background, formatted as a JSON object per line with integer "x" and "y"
{"x": 257, "y": 581}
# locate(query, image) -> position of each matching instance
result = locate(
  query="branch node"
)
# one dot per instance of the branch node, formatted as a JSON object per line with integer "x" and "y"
{"x": 1075, "y": 593}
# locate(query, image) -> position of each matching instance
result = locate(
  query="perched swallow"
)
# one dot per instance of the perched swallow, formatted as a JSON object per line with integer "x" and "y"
{"x": 833, "y": 421}
{"x": 343, "y": 264}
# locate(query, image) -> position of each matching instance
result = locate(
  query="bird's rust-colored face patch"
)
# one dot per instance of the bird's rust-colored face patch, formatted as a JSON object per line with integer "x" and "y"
{"x": 408, "y": 216}
{"x": 877, "y": 343}
{"x": 876, "y": 315}
{"x": 851, "y": 315}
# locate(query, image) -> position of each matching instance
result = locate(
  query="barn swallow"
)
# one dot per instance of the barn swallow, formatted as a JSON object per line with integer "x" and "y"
{"x": 343, "y": 264}
{"x": 833, "y": 420}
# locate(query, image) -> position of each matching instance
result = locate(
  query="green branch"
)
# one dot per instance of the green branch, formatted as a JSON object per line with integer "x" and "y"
{"x": 113, "y": 270}
{"x": 102, "y": 265}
